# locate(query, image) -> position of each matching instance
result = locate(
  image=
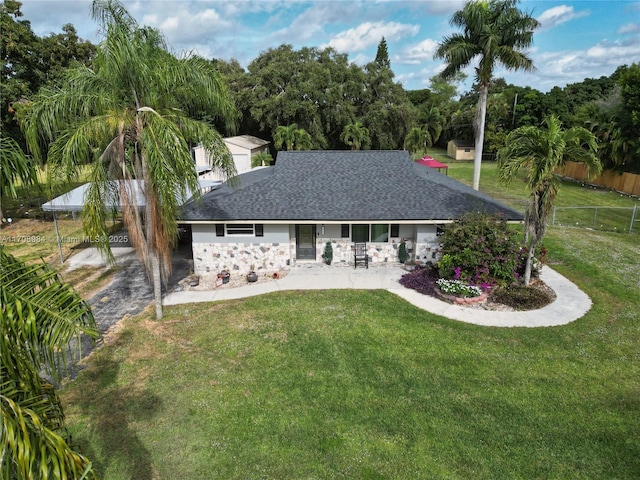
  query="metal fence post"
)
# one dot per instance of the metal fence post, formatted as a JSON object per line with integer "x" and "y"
{"x": 633, "y": 218}
{"x": 553, "y": 217}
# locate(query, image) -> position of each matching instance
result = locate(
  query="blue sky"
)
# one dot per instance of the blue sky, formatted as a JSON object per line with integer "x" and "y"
{"x": 577, "y": 40}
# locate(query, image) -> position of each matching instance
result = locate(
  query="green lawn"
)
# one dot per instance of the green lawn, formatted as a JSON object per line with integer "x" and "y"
{"x": 571, "y": 194}
{"x": 360, "y": 384}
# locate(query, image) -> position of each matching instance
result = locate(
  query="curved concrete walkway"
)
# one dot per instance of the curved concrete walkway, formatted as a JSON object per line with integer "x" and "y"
{"x": 570, "y": 304}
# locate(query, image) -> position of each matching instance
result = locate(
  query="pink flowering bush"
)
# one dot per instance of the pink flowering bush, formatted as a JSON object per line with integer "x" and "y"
{"x": 482, "y": 250}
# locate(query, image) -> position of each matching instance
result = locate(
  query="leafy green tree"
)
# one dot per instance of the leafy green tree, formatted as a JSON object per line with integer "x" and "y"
{"x": 541, "y": 151}
{"x": 15, "y": 167}
{"x": 132, "y": 113}
{"x": 382, "y": 55}
{"x": 40, "y": 315}
{"x": 356, "y": 135}
{"x": 60, "y": 51}
{"x": 386, "y": 109}
{"x": 19, "y": 49}
{"x": 496, "y": 32}
{"x": 317, "y": 89}
{"x": 417, "y": 140}
{"x": 28, "y": 61}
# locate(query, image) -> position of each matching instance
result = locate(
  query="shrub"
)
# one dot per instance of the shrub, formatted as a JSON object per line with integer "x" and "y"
{"x": 421, "y": 279}
{"x": 403, "y": 256}
{"x": 328, "y": 253}
{"x": 480, "y": 249}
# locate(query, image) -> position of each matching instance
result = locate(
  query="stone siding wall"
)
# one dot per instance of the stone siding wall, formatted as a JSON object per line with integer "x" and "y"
{"x": 379, "y": 253}
{"x": 239, "y": 258}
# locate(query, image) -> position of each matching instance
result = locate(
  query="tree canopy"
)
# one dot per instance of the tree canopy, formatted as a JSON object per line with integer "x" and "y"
{"x": 131, "y": 117}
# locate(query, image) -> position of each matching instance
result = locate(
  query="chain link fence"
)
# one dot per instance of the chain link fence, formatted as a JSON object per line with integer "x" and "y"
{"x": 614, "y": 219}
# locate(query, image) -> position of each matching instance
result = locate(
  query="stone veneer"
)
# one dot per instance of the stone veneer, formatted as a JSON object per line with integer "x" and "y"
{"x": 239, "y": 258}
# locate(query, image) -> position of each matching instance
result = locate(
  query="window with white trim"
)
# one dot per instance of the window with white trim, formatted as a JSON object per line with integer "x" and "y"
{"x": 244, "y": 229}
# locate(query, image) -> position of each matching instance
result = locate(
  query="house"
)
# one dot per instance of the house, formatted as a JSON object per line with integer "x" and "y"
{"x": 284, "y": 214}
{"x": 243, "y": 148}
{"x": 461, "y": 149}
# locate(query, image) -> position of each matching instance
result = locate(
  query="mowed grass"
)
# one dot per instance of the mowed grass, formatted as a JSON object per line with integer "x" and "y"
{"x": 360, "y": 384}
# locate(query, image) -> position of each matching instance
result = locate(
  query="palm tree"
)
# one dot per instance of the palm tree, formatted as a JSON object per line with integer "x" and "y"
{"x": 261, "y": 159}
{"x": 541, "y": 151}
{"x": 133, "y": 112}
{"x": 285, "y": 136}
{"x": 417, "y": 140}
{"x": 495, "y": 32}
{"x": 40, "y": 315}
{"x": 292, "y": 137}
{"x": 15, "y": 167}
{"x": 434, "y": 124}
{"x": 356, "y": 135}
{"x": 303, "y": 140}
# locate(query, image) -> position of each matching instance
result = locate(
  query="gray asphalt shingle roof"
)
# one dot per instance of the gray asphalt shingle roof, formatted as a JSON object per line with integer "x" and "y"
{"x": 343, "y": 186}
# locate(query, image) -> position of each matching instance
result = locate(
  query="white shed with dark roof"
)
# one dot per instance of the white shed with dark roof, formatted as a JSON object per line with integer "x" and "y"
{"x": 285, "y": 214}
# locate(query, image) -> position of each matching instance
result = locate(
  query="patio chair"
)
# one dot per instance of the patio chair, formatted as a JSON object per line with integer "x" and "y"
{"x": 360, "y": 255}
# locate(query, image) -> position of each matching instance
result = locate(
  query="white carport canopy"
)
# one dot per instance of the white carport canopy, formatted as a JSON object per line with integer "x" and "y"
{"x": 74, "y": 200}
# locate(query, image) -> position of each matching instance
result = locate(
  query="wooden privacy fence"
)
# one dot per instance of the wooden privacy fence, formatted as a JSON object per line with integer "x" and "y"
{"x": 620, "y": 182}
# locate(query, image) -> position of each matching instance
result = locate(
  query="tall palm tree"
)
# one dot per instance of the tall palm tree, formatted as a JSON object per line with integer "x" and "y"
{"x": 40, "y": 315}
{"x": 356, "y": 135}
{"x": 541, "y": 151}
{"x": 494, "y": 32}
{"x": 417, "y": 140}
{"x": 133, "y": 113}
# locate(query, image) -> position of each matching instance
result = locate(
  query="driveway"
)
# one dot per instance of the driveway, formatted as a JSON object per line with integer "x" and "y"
{"x": 128, "y": 294}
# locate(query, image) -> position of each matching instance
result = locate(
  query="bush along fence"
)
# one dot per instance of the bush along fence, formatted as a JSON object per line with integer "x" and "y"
{"x": 615, "y": 219}
{"x": 624, "y": 182}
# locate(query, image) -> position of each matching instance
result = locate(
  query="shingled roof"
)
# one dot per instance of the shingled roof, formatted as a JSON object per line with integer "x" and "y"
{"x": 344, "y": 186}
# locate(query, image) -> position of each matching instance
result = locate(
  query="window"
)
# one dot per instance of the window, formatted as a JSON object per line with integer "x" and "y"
{"x": 377, "y": 232}
{"x": 219, "y": 229}
{"x": 344, "y": 233}
{"x": 360, "y": 233}
{"x": 380, "y": 232}
{"x": 395, "y": 230}
{"x": 245, "y": 229}
{"x": 439, "y": 230}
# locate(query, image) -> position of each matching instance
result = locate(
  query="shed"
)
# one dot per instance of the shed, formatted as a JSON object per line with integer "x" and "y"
{"x": 461, "y": 149}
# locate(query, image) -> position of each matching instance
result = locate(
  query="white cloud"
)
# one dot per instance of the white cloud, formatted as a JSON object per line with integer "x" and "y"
{"x": 558, "y": 15}
{"x": 368, "y": 34}
{"x": 183, "y": 26}
{"x": 419, "y": 53}
{"x": 629, "y": 28}
{"x": 570, "y": 66}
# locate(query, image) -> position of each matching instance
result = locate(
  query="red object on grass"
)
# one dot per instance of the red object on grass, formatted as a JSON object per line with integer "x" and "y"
{"x": 431, "y": 162}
